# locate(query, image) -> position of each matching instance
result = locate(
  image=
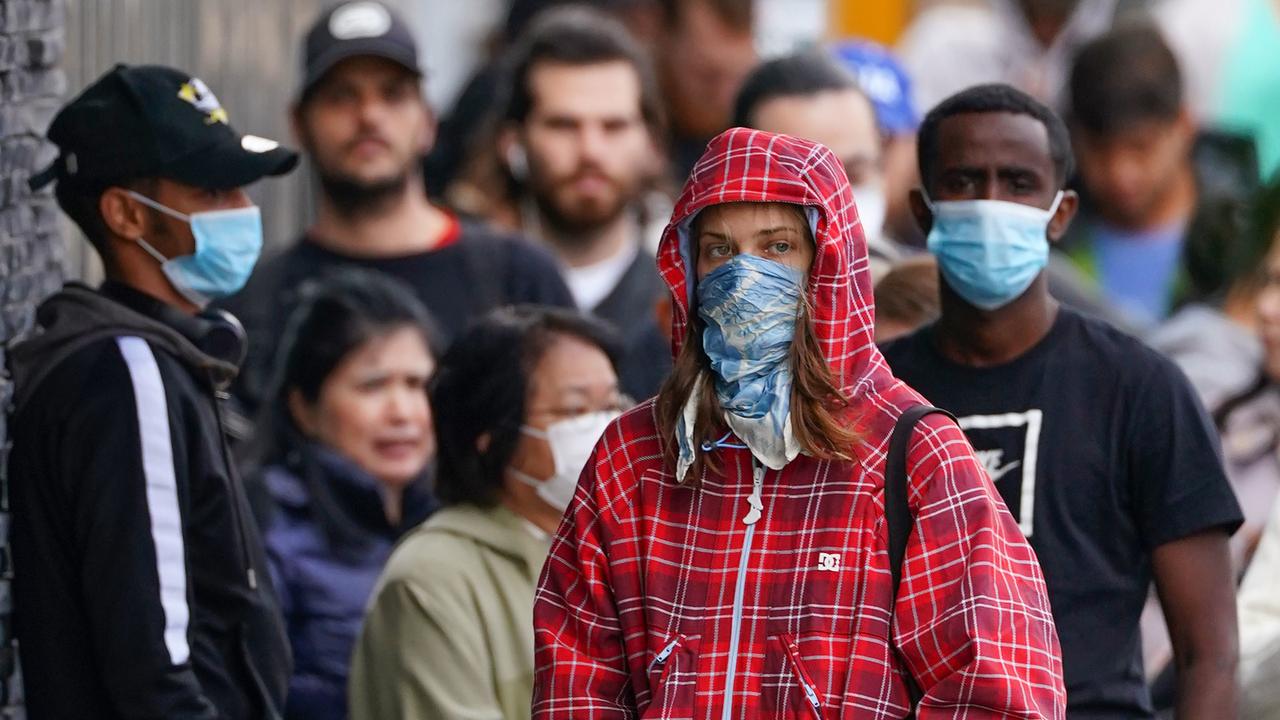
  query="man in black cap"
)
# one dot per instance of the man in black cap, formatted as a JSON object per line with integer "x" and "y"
{"x": 140, "y": 587}
{"x": 362, "y": 117}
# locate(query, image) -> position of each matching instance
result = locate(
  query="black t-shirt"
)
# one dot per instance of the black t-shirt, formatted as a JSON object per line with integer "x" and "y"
{"x": 472, "y": 272}
{"x": 1102, "y": 452}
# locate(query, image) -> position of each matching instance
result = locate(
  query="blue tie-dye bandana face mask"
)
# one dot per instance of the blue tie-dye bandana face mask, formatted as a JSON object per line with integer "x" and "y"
{"x": 750, "y": 305}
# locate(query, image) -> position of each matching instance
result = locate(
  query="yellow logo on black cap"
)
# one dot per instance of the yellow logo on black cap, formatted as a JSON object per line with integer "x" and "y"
{"x": 199, "y": 95}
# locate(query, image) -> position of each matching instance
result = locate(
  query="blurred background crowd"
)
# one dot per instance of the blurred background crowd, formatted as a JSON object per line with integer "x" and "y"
{"x": 539, "y": 152}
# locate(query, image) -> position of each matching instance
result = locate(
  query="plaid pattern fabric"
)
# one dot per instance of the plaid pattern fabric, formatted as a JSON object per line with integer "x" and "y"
{"x": 634, "y": 611}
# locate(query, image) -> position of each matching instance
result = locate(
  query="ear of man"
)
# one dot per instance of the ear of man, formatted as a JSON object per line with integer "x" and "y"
{"x": 1061, "y": 219}
{"x": 514, "y": 156}
{"x": 298, "y": 125}
{"x": 920, "y": 210}
{"x": 122, "y": 215}
{"x": 428, "y": 131}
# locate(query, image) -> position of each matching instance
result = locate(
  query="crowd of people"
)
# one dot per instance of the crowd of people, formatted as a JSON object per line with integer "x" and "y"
{"x": 657, "y": 379}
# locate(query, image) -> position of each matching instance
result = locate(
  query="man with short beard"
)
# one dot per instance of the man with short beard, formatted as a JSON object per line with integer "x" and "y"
{"x": 363, "y": 119}
{"x": 578, "y": 139}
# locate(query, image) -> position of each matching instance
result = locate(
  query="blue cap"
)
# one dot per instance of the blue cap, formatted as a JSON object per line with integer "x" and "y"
{"x": 884, "y": 80}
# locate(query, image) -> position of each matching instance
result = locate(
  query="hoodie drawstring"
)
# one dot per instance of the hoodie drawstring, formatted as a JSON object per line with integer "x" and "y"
{"x": 709, "y": 445}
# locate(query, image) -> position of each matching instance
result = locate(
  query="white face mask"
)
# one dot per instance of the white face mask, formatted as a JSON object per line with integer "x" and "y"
{"x": 571, "y": 444}
{"x": 872, "y": 208}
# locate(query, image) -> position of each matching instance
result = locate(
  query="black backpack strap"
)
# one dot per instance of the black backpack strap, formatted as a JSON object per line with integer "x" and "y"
{"x": 896, "y": 511}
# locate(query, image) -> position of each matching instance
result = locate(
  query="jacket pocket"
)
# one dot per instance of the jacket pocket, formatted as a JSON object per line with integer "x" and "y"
{"x": 672, "y": 680}
{"x": 804, "y": 682}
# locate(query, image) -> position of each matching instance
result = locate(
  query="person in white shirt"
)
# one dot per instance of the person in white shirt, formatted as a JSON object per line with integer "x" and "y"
{"x": 573, "y": 159}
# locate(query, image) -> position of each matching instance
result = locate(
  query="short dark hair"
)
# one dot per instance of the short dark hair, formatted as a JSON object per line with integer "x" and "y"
{"x": 480, "y": 390}
{"x": 81, "y": 202}
{"x": 908, "y": 293}
{"x": 805, "y": 73}
{"x": 339, "y": 312}
{"x": 1123, "y": 78}
{"x": 578, "y": 35}
{"x": 994, "y": 98}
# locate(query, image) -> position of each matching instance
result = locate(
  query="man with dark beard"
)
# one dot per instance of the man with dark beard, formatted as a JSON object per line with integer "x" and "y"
{"x": 363, "y": 119}
{"x": 577, "y": 146}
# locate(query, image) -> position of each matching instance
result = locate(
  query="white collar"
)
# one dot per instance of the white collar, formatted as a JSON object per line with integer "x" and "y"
{"x": 591, "y": 284}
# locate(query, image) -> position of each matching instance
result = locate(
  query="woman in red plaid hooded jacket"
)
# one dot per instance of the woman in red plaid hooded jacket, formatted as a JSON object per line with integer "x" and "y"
{"x": 725, "y": 555}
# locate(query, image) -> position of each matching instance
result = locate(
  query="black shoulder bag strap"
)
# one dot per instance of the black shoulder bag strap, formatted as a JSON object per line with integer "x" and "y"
{"x": 896, "y": 512}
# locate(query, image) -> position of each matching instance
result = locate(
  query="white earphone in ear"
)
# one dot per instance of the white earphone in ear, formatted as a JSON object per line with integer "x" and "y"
{"x": 517, "y": 161}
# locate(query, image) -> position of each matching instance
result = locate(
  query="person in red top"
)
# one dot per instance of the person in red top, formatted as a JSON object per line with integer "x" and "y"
{"x": 725, "y": 555}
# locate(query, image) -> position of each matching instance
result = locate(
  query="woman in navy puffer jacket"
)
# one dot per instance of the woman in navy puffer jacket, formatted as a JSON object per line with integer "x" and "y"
{"x": 344, "y": 463}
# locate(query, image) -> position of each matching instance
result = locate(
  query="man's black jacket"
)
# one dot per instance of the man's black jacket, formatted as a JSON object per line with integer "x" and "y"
{"x": 140, "y": 585}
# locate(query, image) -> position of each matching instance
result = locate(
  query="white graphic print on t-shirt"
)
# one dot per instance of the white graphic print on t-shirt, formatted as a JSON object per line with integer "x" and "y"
{"x": 1005, "y": 443}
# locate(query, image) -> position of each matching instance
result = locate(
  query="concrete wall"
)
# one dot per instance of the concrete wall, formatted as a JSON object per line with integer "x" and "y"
{"x": 31, "y": 251}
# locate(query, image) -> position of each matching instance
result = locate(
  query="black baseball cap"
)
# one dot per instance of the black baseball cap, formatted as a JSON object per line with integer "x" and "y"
{"x": 355, "y": 29}
{"x": 154, "y": 121}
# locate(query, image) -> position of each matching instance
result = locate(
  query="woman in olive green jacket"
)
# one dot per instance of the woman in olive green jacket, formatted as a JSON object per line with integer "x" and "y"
{"x": 519, "y": 402}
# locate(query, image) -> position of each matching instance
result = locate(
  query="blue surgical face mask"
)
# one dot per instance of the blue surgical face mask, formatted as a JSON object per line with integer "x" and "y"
{"x": 228, "y": 243}
{"x": 750, "y": 305}
{"x": 990, "y": 251}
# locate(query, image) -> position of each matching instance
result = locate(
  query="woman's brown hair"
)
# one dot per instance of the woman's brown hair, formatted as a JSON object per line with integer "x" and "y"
{"x": 818, "y": 404}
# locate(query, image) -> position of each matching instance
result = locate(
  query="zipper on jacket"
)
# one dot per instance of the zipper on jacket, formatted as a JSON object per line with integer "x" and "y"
{"x": 812, "y": 696}
{"x": 755, "y": 510}
{"x": 810, "y": 693}
{"x": 661, "y": 657}
{"x": 251, "y": 576}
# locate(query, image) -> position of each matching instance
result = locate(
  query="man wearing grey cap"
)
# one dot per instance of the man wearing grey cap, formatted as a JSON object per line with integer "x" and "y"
{"x": 140, "y": 584}
{"x": 362, "y": 118}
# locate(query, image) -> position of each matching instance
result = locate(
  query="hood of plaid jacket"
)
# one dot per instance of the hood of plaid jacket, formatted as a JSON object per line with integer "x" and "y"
{"x": 742, "y": 165}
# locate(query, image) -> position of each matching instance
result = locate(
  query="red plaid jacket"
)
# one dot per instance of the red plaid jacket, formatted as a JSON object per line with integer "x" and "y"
{"x": 657, "y": 601}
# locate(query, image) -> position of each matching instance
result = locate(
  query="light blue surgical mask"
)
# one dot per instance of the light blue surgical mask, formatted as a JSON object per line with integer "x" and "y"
{"x": 990, "y": 251}
{"x": 750, "y": 306}
{"x": 228, "y": 244}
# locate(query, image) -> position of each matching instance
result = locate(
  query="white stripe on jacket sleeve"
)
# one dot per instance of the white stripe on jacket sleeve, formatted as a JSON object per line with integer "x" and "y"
{"x": 162, "y": 492}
